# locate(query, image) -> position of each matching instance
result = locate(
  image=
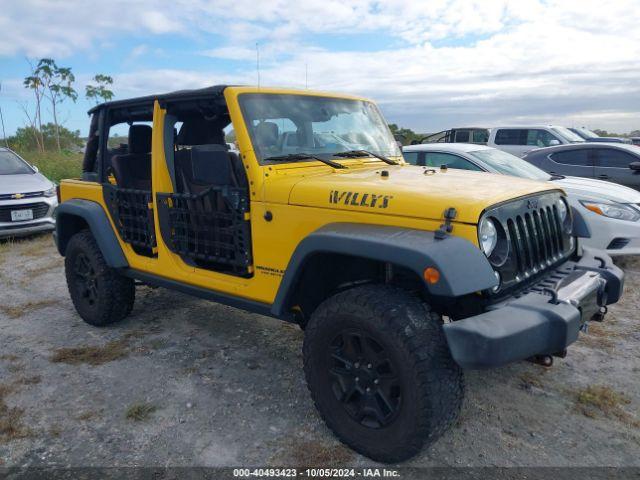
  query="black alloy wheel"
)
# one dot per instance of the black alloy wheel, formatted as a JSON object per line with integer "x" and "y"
{"x": 364, "y": 378}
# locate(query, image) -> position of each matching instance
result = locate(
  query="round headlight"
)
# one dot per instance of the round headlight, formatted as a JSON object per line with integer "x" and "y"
{"x": 488, "y": 236}
{"x": 562, "y": 210}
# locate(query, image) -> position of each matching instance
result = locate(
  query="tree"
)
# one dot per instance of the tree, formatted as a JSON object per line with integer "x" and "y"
{"x": 404, "y": 135}
{"x": 57, "y": 82}
{"x": 24, "y": 138}
{"x": 100, "y": 91}
{"x": 34, "y": 82}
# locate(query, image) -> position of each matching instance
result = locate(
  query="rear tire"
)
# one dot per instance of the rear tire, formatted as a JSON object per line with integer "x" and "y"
{"x": 380, "y": 372}
{"x": 99, "y": 293}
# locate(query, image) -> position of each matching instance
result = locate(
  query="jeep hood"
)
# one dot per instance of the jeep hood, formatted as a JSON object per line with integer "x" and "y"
{"x": 408, "y": 191}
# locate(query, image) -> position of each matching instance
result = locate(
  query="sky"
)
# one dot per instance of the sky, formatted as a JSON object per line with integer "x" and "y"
{"x": 431, "y": 65}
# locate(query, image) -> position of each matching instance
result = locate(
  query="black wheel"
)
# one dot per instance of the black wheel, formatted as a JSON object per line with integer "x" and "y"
{"x": 101, "y": 295}
{"x": 380, "y": 372}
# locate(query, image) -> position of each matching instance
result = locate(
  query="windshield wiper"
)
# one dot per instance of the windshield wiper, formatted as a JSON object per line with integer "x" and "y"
{"x": 556, "y": 176}
{"x": 304, "y": 156}
{"x": 365, "y": 153}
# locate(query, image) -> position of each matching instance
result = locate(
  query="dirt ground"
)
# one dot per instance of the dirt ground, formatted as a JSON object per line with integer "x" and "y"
{"x": 185, "y": 382}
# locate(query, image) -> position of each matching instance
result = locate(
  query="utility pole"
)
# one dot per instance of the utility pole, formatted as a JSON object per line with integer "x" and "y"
{"x": 4, "y": 135}
{"x": 306, "y": 76}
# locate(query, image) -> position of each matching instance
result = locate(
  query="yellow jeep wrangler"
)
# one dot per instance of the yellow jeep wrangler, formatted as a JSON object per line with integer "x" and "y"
{"x": 401, "y": 276}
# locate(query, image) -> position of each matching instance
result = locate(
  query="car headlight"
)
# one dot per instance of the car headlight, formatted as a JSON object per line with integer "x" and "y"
{"x": 562, "y": 210}
{"x": 51, "y": 192}
{"x": 619, "y": 211}
{"x": 563, "y": 213}
{"x": 488, "y": 236}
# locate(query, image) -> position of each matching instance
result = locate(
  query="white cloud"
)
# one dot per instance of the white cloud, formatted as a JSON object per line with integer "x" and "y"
{"x": 452, "y": 61}
{"x": 157, "y": 22}
{"x": 231, "y": 53}
{"x": 138, "y": 51}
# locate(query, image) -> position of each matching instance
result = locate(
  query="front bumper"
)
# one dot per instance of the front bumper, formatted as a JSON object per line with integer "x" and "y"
{"x": 542, "y": 321}
{"x": 45, "y": 222}
{"x": 617, "y": 237}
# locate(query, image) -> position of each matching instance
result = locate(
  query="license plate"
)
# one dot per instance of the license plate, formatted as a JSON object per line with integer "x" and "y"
{"x": 21, "y": 215}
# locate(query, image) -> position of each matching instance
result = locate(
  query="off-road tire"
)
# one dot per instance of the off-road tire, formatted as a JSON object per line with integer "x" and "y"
{"x": 431, "y": 383}
{"x": 112, "y": 296}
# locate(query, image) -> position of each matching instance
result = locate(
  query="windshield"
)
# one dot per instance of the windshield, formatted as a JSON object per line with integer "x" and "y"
{"x": 282, "y": 125}
{"x": 507, "y": 164}
{"x": 568, "y": 135}
{"x": 11, "y": 164}
{"x": 587, "y": 133}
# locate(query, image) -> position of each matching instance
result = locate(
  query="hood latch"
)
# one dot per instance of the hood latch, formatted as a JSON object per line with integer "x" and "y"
{"x": 446, "y": 228}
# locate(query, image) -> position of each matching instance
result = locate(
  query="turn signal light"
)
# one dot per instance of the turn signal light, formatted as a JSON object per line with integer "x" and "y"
{"x": 594, "y": 208}
{"x": 431, "y": 275}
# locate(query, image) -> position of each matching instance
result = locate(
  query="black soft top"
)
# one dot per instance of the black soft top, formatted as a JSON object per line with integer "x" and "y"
{"x": 207, "y": 92}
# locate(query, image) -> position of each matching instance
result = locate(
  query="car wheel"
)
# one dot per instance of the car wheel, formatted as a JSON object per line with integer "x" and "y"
{"x": 99, "y": 293}
{"x": 380, "y": 372}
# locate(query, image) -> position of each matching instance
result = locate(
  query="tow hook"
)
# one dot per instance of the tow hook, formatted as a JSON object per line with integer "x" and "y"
{"x": 599, "y": 317}
{"x": 544, "y": 360}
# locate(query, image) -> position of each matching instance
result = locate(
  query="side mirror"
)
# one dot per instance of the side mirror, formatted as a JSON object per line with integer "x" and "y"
{"x": 554, "y": 142}
{"x": 37, "y": 170}
{"x": 635, "y": 166}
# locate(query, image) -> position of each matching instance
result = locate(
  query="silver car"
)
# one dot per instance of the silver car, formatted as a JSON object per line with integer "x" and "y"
{"x": 27, "y": 198}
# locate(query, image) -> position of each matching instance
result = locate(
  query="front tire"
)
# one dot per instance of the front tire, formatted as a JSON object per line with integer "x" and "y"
{"x": 99, "y": 293}
{"x": 380, "y": 372}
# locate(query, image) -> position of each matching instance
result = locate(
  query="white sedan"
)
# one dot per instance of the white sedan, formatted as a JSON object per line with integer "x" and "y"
{"x": 611, "y": 210}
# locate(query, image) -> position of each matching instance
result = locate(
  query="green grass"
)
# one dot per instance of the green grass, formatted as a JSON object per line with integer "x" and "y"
{"x": 140, "y": 412}
{"x": 93, "y": 355}
{"x": 55, "y": 165}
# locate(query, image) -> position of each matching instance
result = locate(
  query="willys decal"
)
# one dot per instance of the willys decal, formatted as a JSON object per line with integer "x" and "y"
{"x": 359, "y": 199}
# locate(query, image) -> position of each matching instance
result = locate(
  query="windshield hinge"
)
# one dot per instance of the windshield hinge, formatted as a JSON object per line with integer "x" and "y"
{"x": 446, "y": 228}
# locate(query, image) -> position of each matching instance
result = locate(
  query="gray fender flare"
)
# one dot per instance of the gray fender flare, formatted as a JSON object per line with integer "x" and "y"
{"x": 581, "y": 228}
{"x": 463, "y": 267}
{"x": 67, "y": 215}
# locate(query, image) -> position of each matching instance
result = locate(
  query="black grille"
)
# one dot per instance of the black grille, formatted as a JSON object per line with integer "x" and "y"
{"x": 11, "y": 196}
{"x": 618, "y": 243}
{"x": 536, "y": 239}
{"x": 532, "y": 239}
{"x": 39, "y": 210}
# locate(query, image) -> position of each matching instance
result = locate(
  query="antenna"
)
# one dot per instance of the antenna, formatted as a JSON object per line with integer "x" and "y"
{"x": 4, "y": 135}
{"x": 258, "y": 63}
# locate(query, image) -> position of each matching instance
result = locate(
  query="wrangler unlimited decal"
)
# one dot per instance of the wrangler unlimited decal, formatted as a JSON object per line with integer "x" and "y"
{"x": 274, "y": 272}
{"x": 357, "y": 199}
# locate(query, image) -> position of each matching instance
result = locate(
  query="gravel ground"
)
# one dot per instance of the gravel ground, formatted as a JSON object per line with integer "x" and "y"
{"x": 184, "y": 382}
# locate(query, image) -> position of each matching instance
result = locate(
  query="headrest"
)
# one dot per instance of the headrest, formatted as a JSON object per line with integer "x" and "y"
{"x": 267, "y": 134}
{"x": 198, "y": 131}
{"x": 211, "y": 164}
{"x": 140, "y": 139}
